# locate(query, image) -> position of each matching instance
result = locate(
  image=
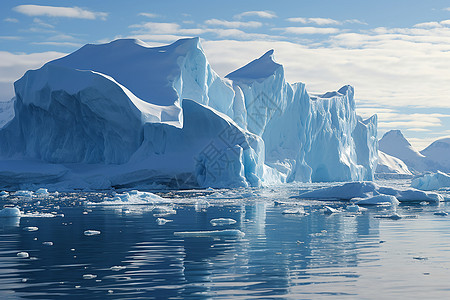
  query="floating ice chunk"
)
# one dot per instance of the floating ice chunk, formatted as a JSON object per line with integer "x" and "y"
{"x": 431, "y": 181}
{"x": 355, "y": 208}
{"x": 91, "y": 232}
{"x": 133, "y": 197}
{"x": 23, "y": 254}
{"x": 441, "y": 213}
{"x": 162, "y": 211}
{"x": 329, "y": 210}
{"x": 162, "y": 221}
{"x": 213, "y": 233}
{"x": 89, "y": 276}
{"x": 294, "y": 211}
{"x": 394, "y": 216}
{"x": 30, "y": 229}
{"x": 9, "y": 212}
{"x": 385, "y": 200}
{"x": 41, "y": 215}
{"x": 117, "y": 268}
{"x": 4, "y": 194}
{"x": 222, "y": 221}
{"x": 42, "y": 191}
{"x": 47, "y": 243}
{"x": 352, "y": 190}
{"x": 23, "y": 193}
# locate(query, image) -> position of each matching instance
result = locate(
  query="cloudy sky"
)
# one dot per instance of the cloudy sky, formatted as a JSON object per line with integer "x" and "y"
{"x": 395, "y": 53}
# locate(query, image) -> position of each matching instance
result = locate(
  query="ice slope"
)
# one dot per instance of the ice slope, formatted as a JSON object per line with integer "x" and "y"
{"x": 6, "y": 111}
{"x": 388, "y": 164}
{"x": 124, "y": 114}
{"x": 438, "y": 155}
{"x": 316, "y": 138}
{"x": 395, "y": 144}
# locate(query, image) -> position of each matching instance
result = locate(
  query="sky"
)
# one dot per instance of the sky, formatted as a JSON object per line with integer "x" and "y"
{"x": 395, "y": 53}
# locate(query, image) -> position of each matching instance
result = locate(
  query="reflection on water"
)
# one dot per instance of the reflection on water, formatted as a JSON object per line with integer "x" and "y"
{"x": 281, "y": 256}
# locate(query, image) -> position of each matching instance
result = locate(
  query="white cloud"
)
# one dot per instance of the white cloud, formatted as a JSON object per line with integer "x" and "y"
{"x": 148, "y": 15}
{"x": 428, "y": 25}
{"x": 57, "y": 11}
{"x": 258, "y": 13}
{"x": 11, "y": 20}
{"x": 9, "y": 38}
{"x": 317, "y": 21}
{"x": 308, "y": 30}
{"x": 63, "y": 44}
{"x": 166, "y": 28}
{"x": 13, "y": 66}
{"x": 233, "y": 24}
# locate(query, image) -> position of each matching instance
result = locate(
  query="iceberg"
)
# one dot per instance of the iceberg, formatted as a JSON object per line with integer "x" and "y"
{"x": 431, "y": 181}
{"x": 368, "y": 191}
{"x": 126, "y": 115}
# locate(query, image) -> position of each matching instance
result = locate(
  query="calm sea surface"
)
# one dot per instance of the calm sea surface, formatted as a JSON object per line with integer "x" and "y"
{"x": 287, "y": 256}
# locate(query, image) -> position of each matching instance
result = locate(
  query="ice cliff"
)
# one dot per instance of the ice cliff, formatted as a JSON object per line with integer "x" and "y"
{"x": 126, "y": 114}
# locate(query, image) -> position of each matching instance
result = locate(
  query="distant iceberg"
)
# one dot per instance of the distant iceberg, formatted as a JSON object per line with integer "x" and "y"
{"x": 124, "y": 114}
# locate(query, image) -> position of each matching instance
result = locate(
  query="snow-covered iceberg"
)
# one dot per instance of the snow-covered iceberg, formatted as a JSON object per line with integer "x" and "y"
{"x": 124, "y": 114}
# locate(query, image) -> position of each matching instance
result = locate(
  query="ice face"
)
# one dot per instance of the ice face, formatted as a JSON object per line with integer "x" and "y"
{"x": 124, "y": 114}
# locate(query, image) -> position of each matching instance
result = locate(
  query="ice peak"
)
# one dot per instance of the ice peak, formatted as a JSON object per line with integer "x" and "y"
{"x": 260, "y": 68}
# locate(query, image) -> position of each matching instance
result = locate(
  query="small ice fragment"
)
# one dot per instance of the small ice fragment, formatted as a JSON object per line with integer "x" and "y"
{"x": 441, "y": 213}
{"x": 213, "y": 233}
{"x": 91, "y": 232}
{"x": 117, "y": 268}
{"x": 42, "y": 191}
{"x": 164, "y": 210}
{"x": 89, "y": 276}
{"x": 162, "y": 221}
{"x": 222, "y": 221}
{"x": 24, "y": 280}
{"x": 294, "y": 211}
{"x": 31, "y": 228}
{"x": 110, "y": 291}
{"x": 424, "y": 203}
{"x": 47, "y": 243}
{"x": 329, "y": 210}
{"x": 4, "y": 194}
{"x": 395, "y": 216}
{"x": 23, "y": 254}
{"x": 355, "y": 208}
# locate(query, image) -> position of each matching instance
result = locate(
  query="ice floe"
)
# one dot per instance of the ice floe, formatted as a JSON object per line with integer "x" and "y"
{"x": 351, "y": 190}
{"x": 10, "y": 212}
{"x": 222, "y": 221}
{"x": 91, "y": 232}
{"x": 431, "y": 181}
{"x": 212, "y": 233}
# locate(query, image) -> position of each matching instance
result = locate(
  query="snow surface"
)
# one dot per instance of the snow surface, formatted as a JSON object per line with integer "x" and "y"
{"x": 368, "y": 190}
{"x": 125, "y": 115}
{"x": 388, "y": 164}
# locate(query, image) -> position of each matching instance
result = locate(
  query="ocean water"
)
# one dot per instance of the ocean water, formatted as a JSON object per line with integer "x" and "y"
{"x": 287, "y": 256}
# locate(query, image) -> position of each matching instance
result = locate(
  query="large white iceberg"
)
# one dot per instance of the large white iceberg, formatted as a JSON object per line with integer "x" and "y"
{"x": 124, "y": 114}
